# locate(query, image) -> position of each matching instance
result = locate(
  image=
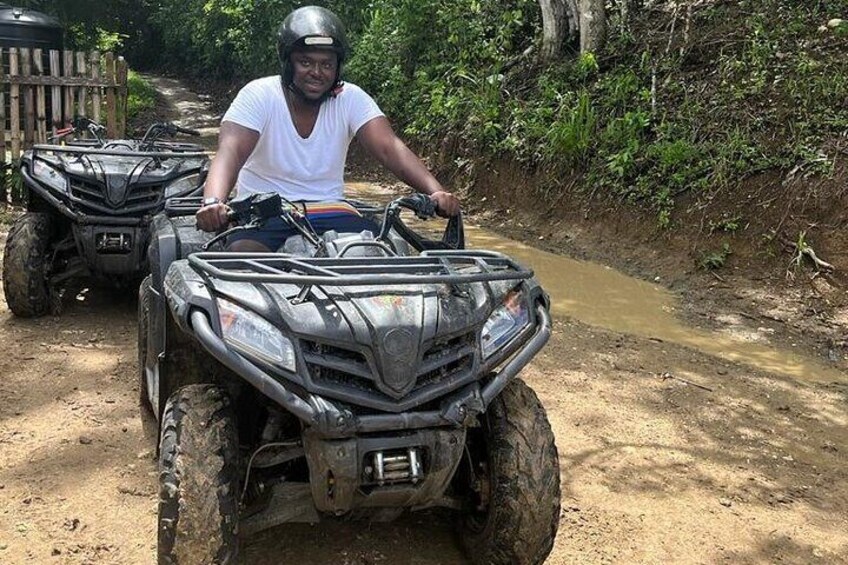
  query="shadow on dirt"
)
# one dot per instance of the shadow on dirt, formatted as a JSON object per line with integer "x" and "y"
{"x": 655, "y": 433}
{"x": 422, "y": 538}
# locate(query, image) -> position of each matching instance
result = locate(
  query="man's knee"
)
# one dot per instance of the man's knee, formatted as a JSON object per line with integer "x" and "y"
{"x": 247, "y": 246}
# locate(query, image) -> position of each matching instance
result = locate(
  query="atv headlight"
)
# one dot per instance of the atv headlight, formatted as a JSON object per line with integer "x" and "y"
{"x": 505, "y": 323}
{"x": 49, "y": 176}
{"x": 182, "y": 185}
{"x": 255, "y": 336}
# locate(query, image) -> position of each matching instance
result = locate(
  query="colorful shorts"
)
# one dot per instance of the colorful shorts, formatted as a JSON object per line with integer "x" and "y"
{"x": 322, "y": 216}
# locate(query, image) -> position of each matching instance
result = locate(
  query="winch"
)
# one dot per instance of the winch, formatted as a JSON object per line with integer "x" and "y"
{"x": 394, "y": 466}
{"x": 113, "y": 242}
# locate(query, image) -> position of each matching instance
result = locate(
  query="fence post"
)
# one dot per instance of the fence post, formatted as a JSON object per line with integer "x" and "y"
{"x": 68, "y": 71}
{"x": 82, "y": 71}
{"x": 111, "y": 116}
{"x": 29, "y": 103}
{"x": 4, "y": 174}
{"x": 55, "y": 93}
{"x": 94, "y": 58}
{"x": 14, "y": 105}
{"x": 40, "y": 99}
{"x": 121, "y": 71}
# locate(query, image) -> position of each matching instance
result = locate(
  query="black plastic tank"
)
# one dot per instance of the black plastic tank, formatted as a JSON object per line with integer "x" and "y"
{"x": 22, "y": 27}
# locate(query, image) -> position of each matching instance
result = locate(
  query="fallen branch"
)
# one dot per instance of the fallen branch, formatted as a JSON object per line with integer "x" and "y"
{"x": 666, "y": 376}
{"x": 716, "y": 275}
{"x": 821, "y": 265}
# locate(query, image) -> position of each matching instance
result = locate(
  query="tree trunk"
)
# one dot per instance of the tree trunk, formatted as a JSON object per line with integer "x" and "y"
{"x": 559, "y": 21}
{"x": 593, "y": 25}
{"x": 553, "y": 28}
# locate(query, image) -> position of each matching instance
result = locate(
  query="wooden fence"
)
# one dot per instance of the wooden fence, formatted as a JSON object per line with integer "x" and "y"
{"x": 41, "y": 91}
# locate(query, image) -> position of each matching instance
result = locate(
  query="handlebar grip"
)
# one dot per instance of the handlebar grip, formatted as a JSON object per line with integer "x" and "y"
{"x": 420, "y": 204}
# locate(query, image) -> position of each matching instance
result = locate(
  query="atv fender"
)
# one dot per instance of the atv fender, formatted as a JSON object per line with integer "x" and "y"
{"x": 169, "y": 349}
{"x": 161, "y": 253}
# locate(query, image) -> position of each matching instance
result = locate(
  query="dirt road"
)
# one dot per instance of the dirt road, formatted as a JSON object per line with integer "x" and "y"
{"x": 668, "y": 455}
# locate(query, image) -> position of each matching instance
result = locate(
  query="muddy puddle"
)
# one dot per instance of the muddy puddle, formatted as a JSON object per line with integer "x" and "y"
{"x": 603, "y": 297}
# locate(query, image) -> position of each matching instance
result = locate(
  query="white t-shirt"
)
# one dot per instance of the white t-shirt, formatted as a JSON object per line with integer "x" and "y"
{"x": 284, "y": 162}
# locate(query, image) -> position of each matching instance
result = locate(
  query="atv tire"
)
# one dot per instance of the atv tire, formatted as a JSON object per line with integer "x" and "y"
{"x": 25, "y": 266}
{"x": 521, "y": 516}
{"x": 198, "y": 478}
{"x": 143, "y": 321}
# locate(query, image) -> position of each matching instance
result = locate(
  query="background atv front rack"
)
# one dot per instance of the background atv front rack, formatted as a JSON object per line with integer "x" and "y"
{"x": 77, "y": 150}
{"x": 431, "y": 267}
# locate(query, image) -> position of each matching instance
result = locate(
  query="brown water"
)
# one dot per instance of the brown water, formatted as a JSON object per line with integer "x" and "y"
{"x": 603, "y": 297}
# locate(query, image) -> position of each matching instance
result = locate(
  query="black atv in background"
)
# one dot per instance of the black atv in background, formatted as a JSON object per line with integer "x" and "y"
{"x": 346, "y": 375}
{"x": 89, "y": 205}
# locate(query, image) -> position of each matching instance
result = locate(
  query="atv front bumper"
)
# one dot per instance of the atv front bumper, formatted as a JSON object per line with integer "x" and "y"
{"x": 460, "y": 409}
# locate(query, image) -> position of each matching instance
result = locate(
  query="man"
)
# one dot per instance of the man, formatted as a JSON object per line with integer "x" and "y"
{"x": 290, "y": 134}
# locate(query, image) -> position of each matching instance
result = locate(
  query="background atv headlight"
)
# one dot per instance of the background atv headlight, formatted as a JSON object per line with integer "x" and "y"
{"x": 255, "y": 336}
{"x": 182, "y": 185}
{"x": 505, "y": 323}
{"x": 49, "y": 176}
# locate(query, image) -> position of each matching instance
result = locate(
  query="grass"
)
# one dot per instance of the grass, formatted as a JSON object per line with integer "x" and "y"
{"x": 141, "y": 96}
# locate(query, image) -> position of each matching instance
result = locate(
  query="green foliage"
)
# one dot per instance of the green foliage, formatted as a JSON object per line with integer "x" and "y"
{"x": 141, "y": 96}
{"x": 665, "y": 112}
{"x": 715, "y": 259}
{"x": 437, "y": 66}
{"x": 13, "y": 184}
{"x": 109, "y": 41}
{"x": 7, "y": 215}
{"x": 726, "y": 224}
{"x": 99, "y": 24}
{"x": 569, "y": 136}
{"x": 232, "y": 39}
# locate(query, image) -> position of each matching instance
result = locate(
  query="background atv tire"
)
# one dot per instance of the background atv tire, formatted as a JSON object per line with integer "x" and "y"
{"x": 143, "y": 321}
{"x": 25, "y": 265}
{"x": 522, "y": 515}
{"x": 198, "y": 478}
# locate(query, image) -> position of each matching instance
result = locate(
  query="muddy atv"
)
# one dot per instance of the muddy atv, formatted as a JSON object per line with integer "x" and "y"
{"x": 89, "y": 204}
{"x": 347, "y": 374}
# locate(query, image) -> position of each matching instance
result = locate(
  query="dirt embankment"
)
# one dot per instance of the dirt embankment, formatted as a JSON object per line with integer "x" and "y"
{"x": 667, "y": 454}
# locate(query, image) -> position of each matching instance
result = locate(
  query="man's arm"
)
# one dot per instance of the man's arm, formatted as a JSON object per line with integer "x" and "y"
{"x": 235, "y": 144}
{"x": 380, "y": 140}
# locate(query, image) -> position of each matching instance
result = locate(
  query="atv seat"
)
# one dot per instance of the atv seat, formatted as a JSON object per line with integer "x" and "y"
{"x": 362, "y": 244}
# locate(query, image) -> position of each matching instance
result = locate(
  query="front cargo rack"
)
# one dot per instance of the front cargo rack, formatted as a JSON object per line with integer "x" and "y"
{"x": 85, "y": 150}
{"x": 430, "y": 267}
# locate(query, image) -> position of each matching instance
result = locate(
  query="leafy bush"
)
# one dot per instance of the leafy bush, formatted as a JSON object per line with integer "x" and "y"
{"x": 141, "y": 96}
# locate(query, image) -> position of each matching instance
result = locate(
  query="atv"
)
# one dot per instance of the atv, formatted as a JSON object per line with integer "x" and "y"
{"x": 89, "y": 206}
{"x": 346, "y": 375}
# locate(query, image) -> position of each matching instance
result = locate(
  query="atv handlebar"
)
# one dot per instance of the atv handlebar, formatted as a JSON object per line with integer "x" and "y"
{"x": 263, "y": 207}
{"x": 255, "y": 210}
{"x": 159, "y": 129}
{"x": 80, "y": 124}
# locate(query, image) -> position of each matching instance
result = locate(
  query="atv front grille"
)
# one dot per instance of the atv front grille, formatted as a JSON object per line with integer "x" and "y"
{"x": 446, "y": 360}
{"x": 347, "y": 374}
{"x": 92, "y": 197}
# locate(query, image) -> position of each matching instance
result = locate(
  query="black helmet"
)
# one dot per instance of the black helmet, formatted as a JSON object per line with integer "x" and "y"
{"x": 310, "y": 27}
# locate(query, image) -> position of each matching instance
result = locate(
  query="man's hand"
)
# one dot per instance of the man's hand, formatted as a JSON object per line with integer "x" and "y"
{"x": 446, "y": 203}
{"x": 213, "y": 217}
